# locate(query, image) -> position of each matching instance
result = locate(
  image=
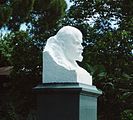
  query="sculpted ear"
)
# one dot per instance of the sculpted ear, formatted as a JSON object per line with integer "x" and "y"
{"x": 62, "y": 44}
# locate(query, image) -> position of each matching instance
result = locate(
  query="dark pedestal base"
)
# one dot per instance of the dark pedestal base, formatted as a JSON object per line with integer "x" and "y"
{"x": 67, "y": 101}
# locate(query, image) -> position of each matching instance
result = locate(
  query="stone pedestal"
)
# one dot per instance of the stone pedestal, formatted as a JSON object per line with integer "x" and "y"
{"x": 67, "y": 101}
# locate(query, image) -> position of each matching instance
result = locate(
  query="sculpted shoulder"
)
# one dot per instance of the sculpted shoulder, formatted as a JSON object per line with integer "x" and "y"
{"x": 53, "y": 72}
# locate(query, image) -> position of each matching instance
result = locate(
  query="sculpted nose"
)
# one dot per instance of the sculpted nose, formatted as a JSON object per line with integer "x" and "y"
{"x": 81, "y": 47}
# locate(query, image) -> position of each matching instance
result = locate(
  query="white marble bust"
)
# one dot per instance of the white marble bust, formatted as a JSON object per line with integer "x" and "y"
{"x": 60, "y": 55}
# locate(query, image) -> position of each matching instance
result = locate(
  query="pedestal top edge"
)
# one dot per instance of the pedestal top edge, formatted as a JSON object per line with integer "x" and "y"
{"x": 68, "y": 86}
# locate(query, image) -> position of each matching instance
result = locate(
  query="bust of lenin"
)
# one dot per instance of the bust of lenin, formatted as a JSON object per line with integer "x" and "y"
{"x": 60, "y": 55}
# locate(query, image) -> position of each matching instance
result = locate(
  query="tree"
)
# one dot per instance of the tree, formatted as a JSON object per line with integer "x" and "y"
{"x": 14, "y": 13}
{"x": 5, "y": 51}
{"x": 22, "y": 50}
{"x": 37, "y": 15}
{"x": 107, "y": 54}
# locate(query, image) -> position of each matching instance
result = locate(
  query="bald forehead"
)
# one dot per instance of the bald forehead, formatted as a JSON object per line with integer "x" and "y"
{"x": 69, "y": 33}
{"x": 69, "y": 30}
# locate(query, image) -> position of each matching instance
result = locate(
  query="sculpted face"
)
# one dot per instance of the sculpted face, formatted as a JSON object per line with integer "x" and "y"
{"x": 73, "y": 48}
{"x": 71, "y": 39}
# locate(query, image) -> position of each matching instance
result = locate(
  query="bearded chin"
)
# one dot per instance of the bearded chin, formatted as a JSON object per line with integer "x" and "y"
{"x": 80, "y": 58}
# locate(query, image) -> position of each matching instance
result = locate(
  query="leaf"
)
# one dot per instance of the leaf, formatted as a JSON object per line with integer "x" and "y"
{"x": 109, "y": 87}
{"x": 126, "y": 95}
{"x": 127, "y": 114}
{"x": 90, "y": 69}
{"x": 102, "y": 74}
{"x": 126, "y": 76}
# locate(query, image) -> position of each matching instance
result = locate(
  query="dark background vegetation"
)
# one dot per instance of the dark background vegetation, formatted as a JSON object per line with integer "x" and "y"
{"x": 107, "y": 55}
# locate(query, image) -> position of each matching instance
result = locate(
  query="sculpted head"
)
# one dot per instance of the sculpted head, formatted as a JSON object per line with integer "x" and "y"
{"x": 70, "y": 39}
{"x": 65, "y": 47}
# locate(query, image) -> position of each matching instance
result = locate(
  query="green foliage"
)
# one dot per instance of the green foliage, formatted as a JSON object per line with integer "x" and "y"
{"x": 25, "y": 58}
{"x": 22, "y": 54}
{"x": 107, "y": 53}
{"x": 5, "y": 50}
{"x": 42, "y": 19}
{"x": 127, "y": 115}
{"x": 98, "y": 72}
{"x": 21, "y": 49}
{"x": 11, "y": 115}
{"x": 5, "y": 12}
{"x": 8, "y": 112}
{"x": 15, "y": 12}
